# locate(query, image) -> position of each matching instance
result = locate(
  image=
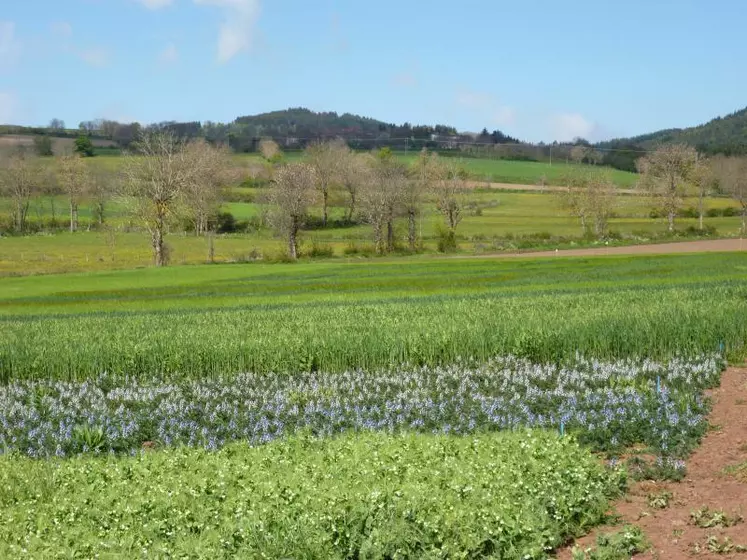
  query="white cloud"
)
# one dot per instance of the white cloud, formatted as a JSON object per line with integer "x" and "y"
{"x": 9, "y": 108}
{"x": 169, "y": 55}
{"x": 405, "y": 80}
{"x": 94, "y": 56}
{"x": 155, "y": 4}
{"x": 486, "y": 106}
{"x": 10, "y": 48}
{"x": 62, "y": 29}
{"x": 237, "y": 30}
{"x": 567, "y": 126}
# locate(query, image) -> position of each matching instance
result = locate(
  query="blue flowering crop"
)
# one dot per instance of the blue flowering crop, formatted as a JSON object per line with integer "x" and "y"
{"x": 606, "y": 405}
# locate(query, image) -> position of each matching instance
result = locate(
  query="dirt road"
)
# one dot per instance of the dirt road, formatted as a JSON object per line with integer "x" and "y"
{"x": 707, "y": 484}
{"x": 532, "y": 188}
{"x": 703, "y": 246}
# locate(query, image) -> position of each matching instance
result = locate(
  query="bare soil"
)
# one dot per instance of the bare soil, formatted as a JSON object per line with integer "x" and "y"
{"x": 534, "y": 188}
{"x": 703, "y": 246}
{"x": 707, "y": 484}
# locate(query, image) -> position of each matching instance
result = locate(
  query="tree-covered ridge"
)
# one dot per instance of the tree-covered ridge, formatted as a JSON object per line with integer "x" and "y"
{"x": 722, "y": 135}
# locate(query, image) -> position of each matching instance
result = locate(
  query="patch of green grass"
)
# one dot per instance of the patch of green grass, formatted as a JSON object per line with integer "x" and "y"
{"x": 225, "y": 318}
{"x": 509, "y": 495}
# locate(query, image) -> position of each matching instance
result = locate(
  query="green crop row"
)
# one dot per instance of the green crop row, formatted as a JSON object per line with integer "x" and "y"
{"x": 216, "y": 320}
{"x": 509, "y": 495}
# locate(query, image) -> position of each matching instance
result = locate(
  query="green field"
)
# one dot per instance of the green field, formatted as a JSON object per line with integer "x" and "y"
{"x": 492, "y": 222}
{"x": 494, "y": 170}
{"x": 207, "y": 320}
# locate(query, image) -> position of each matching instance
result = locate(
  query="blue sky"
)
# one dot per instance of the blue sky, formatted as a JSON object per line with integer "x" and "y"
{"x": 536, "y": 69}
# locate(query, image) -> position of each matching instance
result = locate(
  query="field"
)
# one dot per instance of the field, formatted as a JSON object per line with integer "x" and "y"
{"x": 494, "y": 170}
{"x": 408, "y": 406}
{"x": 494, "y": 221}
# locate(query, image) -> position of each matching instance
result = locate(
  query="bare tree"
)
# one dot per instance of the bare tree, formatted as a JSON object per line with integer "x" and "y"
{"x": 591, "y": 197}
{"x": 156, "y": 177}
{"x": 291, "y": 195}
{"x": 270, "y": 150}
{"x": 704, "y": 181}
{"x": 450, "y": 189}
{"x": 351, "y": 173}
{"x": 668, "y": 173}
{"x": 203, "y": 192}
{"x": 19, "y": 180}
{"x": 57, "y": 125}
{"x": 325, "y": 158}
{"x": 578, "y": 154}
{"x": 423, "y": 175}
{"x": 73, "y": 177}
{"x": 382, "y": 188}
{"x": 731, "y": 173}
{"x": 102, "y": 185}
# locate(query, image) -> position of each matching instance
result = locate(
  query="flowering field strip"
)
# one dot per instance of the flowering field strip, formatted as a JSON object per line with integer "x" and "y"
{"x": 503, "y": 495}
{"x": 607, "y": 405}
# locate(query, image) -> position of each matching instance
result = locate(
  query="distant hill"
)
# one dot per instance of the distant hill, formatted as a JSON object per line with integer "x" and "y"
{"x": 722, "y": 135}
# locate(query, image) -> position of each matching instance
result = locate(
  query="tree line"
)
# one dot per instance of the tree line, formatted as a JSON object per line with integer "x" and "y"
{"x": 166, "y": 179}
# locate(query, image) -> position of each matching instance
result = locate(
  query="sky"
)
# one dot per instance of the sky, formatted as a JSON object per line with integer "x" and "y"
{"x": 539, "y": 70}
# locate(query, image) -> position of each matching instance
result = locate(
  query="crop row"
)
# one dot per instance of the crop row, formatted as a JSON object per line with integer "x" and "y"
{"x": 608, "y": 405}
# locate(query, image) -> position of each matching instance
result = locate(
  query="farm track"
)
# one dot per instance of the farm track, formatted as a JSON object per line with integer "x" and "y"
{"x": 706, "y": 484}
{"x": 703, "y": 246}
{"x": 534, "y": 188}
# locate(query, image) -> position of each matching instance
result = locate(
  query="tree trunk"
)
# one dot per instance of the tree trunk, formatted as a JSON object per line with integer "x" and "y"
{"x": 159, "y": 254}
{"x": 73, "y": 216}
{"x": 211, "y": 246}
{"x": 292, "y": 234}
{"x": 100, "y": 212}
{"x": 389, "y": 235}
{"x": 744, "y": 219}
{"x": 411, "y": 234}
{"x": 670, "y": 217}
{"x": 378, "y": 237}
{"x": 701, "y": 211}
{"x": 351, "y": 208}
{"x": 583, "y": 224}
{"x": 325, "y": 196}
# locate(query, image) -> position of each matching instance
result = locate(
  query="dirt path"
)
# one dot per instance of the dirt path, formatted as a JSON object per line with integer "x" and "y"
{"x": 671, "y": 534}
{"x": 707, "y": 246}
{"x": 533, "y": 188}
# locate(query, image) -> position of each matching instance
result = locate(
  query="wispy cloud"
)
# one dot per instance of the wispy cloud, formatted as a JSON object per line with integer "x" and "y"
{"x": 97, "y": 57}
{"x": 155, "y": 4}
{"x": 486, "y": 106}
{"x": 405, "y": 80}
{"x": 10, "y": 47}
{"x": 62, "y": 29}
{"x": 9, "y": 108}
{"x": 567, "y": 126}
{"x": 237, "y": 30}
{"x": 169, "y": 55}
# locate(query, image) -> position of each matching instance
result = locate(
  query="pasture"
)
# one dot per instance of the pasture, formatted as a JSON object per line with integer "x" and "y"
{"x": 494, "y": 221}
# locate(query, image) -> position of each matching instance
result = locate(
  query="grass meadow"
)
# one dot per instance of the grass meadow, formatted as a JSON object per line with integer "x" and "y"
{"x": 494, "y": 221}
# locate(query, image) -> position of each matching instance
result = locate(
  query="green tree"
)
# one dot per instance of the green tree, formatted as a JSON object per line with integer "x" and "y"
{"x": 84, "y": 146}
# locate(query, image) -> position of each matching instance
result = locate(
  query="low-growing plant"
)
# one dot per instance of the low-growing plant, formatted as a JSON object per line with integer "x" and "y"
{"x": 659, "y": 500}
{"x": 706, "y": 518}
{"x": 621, "y": 545}
{"x": 513, "y": 495}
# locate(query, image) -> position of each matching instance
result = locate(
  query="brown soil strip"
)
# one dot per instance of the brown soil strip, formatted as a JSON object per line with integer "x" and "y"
{"x": 669, "y": 530}
{"x": 534, "y": 188}
{"x": 705, "y": 246}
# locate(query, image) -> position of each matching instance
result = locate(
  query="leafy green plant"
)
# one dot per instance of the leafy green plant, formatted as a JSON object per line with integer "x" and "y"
{"x": 659, "y": 500}
{"x": 614, "y": 546}
{"x": 706, "y": 518}
{"x": 509, "y": 495}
